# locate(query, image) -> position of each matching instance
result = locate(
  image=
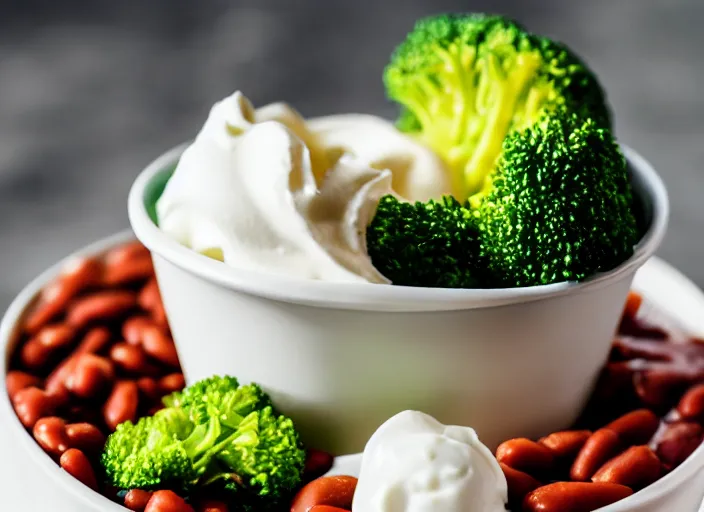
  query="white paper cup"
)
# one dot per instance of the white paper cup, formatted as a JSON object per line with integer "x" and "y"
{"x": 341, "y": 358}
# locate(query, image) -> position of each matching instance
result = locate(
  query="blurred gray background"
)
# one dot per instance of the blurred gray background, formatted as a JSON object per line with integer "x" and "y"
{"x": 91, "y": 91}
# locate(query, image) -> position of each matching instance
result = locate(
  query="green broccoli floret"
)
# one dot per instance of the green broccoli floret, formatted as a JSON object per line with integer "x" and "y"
{"x": 429, "y": 244}
{"x": 465, "y": 81}
{"x": 213, "y": 433}
{"x": 560, "y": 206}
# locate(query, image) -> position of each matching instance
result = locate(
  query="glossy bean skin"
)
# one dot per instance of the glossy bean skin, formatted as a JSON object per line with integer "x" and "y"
{"x": 599, "y": 448}
{"x": 317, "y": 464}
{"x": 635, "y": 468}
{"x": 50, "y": 434}
{"x": 17, "y": 381}
{"x": 130, "y": 358}
{"x": 574, "y": 497}
{"x": 137, "y": 499}
{"x": 122, "y": 404}
{"x": 133, "y": 329}
{"x": 77, "y": 465}
{"x": 636, "y": 427}
{"x": 519, "y": 484}
{"x": 525, "y": 455}
{"x": 159, "y": 346}
{"x": 677, "y": 442}
{"x": 131, "y": 270}
{"x": 171, "y": 382}
{"x": 167, "y": 501}
{"x": 335, "y": 491}
{"x": 103, "y": 305}
{"x": 95, "y": 341}
{"x": 691, "y": 405}
{"x": 86, "y": 437}
{"x": 31, "y": 404}
{"x": 91, "y": 374}
{"x": 567, "y": 443}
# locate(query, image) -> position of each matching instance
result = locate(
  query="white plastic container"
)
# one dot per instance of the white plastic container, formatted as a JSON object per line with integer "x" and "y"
{"x": 341, "y": 358}
{"x": 32, "y": 481}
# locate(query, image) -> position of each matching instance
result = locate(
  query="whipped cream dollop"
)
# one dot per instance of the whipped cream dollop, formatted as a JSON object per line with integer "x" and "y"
{"x": 413, "y": 463}
{"x": 260, "y": 189}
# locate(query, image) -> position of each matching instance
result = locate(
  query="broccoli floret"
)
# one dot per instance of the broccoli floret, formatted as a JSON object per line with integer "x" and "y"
{"x": 213, "y": 433}
{"x": 429, "y": 244}
{"x": 465, "y": 81}
{"x": 560, "y": 206}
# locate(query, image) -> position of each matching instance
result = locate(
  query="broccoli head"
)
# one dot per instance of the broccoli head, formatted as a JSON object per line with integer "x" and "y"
{"x": 465, "y": 81}
{"x": 429, "y": 244}
{"x": 559, "y": 206}
{"x": 213, "y": 433}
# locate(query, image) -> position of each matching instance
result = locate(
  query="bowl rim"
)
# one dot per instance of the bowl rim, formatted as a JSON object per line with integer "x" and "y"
{"x": 379, "y": 297}
{"x": 18, "y": 307}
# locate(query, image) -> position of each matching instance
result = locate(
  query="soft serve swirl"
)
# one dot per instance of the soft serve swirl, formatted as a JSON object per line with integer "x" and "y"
{"x": 261, "y": 190}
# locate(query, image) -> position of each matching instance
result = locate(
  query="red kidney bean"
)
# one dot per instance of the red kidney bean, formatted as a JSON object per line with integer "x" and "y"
{"x": 77, "y": 275}
{"x": 691, "y": 406}
{"x": 677, "y": 441}
{"x": 171, "y": 382}
{"x": 90, "y": 375}
{"x": 77, "y": 465}
{"x": 137, "y": 499}
{"x": 212, "y": 506}
{"x": 32, "y": 403}
{"x": 317, "y": 463}
{"x": 150, "y": 299}
{"x": 86, "y": 437}
{"x": 94, "y": 341}
{"x": 566, "y": 444}
{"x": 122, "y": 403}
{"x": 636, "y": 427}
{"x": 167, "y": 501}
{"x": 149, "y": 388}
{"x": 50, "y": 433}
{"x": 133, "y": 329}
{"x": 599, "y": 448}
{"x": 159, "y": 346}
{"x": 126, "y": 252}
{"x": 130, "y": 358}
{"x": 104, "y": 305}
{"x": 129, "y": 271}
{"x": 635, "y": 468}
{"x": 574, "y": 497}
{"x": 336, "y": 491}
{"x": 519, "y": 484}
{"x": 525, "y": 455}
{"x": 17, "y": 381}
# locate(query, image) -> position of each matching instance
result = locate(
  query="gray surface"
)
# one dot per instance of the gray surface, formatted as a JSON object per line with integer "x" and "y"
{"x": 90, "y": 92}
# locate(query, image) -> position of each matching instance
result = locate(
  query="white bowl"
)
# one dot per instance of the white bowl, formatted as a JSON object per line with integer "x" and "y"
{"x": 32, "y": 481}
{"x": 341, "y": 358}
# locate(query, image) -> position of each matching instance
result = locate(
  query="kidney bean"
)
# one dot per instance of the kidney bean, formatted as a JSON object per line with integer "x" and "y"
{"x": 122, "y": 403}
{"x": 103, "y": 305}
{"x": 56, "y": 381}
{"x": 691, "y": 405}
{"x": 17, "y": 381}
{"x": 212, "y": 506}
{"x": 636, "y": 467}
{"x": 94, "y": 341}
{"x": 137, "y": 499}
{"x": 317, "y": 464}
{"x": 657, "y": 387}
{"x": 32, "y": 403}
{"x": 574, "y": 497}
{"x": 159, "y": 346}
{"x": 76, "y": 276}
{"x": 77, "y": 465}
{"x": 677, "y": 442}
{"x": 129, "y": 271}
{"x": 150, "y": 299}
{"x": 633, "y": 303}
{"x": 167, "y": 501}
{"x": 599, "y": 448}
{"x": 149, "y": 388}
{"x": 519, "y": 484}
{"x": 90, "y": 375}
{"x": 336, "y": 491}
{"x": 36, "y": 352}
{"x": 525, "y": 455}
{"x": 636, "y": 427}
{"x": 133, "y": 328}
{"x": 327, "y": 508}
{"x": 130, "y": 358}
{"x": 566, "y": 444}
{"x": 171, "y": 382}
{"x": 126, "y": 252}
{"x": 86, "y": 437}
{"x": 50, "y": 433}
{"x": 34, "y": 355}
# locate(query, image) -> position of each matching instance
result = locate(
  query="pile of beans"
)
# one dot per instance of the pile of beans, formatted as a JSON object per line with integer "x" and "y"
{"x": 644, "y": 419}
{"x": 95, "y": 350}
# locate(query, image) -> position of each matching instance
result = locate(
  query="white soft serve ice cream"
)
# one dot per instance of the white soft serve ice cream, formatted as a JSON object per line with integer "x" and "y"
{"x": 413, "y": 463}
{"x": 260, "y": 190}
